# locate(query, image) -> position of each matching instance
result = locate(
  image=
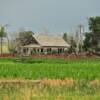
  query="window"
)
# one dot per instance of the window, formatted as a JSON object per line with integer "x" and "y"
{"x": 42, "y": 50}
{"x": 49, "y": 50}
{"x": 60, "y": 50}
{"x": 37, "y": 50}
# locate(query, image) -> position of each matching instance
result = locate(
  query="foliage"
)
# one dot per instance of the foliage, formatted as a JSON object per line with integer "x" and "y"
{"x": 65, "y": 37}
{"x": 26, "y": 90}
{"x": 2, "y": 34}
{"x": 38, "y": 68}
{"x": 72, "y": 48}
{"x": 25, "y": 37}
{"x": 87, "y": 42}
{"x": 94, "y": 26}
{"x": 84, "y": 75}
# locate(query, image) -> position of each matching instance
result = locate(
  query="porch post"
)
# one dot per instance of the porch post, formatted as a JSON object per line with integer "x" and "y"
{"x": 45, "y": 50}
{"x": 29, "y": 51}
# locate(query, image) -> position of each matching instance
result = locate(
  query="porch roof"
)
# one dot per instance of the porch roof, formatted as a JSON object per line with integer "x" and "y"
{"x": 31, "y": 46}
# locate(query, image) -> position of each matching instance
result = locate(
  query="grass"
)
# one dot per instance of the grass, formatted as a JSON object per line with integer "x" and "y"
{"x": 85, "y": 74}
{"x": 50, "y": 68}
{"x": 43, "y": 92}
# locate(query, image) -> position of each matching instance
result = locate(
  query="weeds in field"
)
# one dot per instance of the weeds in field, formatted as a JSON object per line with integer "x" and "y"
{"x": 45, "y": 91}
{"x": 50, "y": 68}
{"x": 83, "y": 79}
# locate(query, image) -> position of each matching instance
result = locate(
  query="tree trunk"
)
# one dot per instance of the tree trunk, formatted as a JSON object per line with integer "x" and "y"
{"x": 8, "y": 42}
{"x": 1, "y": 45}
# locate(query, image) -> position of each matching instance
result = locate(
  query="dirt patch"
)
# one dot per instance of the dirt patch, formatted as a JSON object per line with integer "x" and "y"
{"x": 16, "y": 81}
{"x": 47, "y": 82}
{"x": 95, "y": 83}
{"x": 67, "y": 82}
{"x": 58, "y": 82}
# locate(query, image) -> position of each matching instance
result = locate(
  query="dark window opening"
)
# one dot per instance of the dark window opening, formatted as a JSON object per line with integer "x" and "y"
{"x": 25, "y": 50}
{"x": 60, "y": 50}
{"x": 49, "y": 50}
{"x": 37, "y": 50}
{"x": 42, "y": 50}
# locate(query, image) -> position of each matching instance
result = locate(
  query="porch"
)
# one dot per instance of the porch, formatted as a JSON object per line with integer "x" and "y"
{"x": 37, "y": 49}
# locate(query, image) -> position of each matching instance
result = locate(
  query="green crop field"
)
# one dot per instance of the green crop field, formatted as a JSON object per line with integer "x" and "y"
{"x": 50, "y": 68}
{"x": 72, "y": 79}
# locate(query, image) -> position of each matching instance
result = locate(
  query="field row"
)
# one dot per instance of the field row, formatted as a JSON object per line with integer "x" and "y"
{"x": 50, "y": 68}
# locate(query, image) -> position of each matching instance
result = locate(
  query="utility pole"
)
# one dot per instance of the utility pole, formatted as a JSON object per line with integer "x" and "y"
{"x": 81, "y": 31}
{"x": 77, "y": 40}
{"x": 5, "y": 26}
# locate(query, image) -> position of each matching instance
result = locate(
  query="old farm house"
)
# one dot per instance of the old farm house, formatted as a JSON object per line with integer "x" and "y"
{"x": 45, "y": 44}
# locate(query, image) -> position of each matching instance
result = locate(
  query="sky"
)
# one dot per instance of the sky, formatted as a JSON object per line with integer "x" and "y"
{"x": 54, "y": 16}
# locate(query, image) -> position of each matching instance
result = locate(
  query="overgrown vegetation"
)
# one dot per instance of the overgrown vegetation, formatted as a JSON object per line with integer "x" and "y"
{"x": 22, "y": 91}
{"x": 92, "y": 38}
{"x": 59, "y": 79}
{"x": 50, "y": 68}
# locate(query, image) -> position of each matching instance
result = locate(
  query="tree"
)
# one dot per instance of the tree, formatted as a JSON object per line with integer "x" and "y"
{"x": 25, "y": 37}
{"x": 65, "y": 37}
{"x": 72, "y": 48}
{"x": 87, "y": 43}
{"x": 94, "y": 26}
{"x": 2, "y": 35}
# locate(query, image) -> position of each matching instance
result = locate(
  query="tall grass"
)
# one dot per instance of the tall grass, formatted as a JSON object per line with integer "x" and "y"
{"x": 50, "y": 68}
{"x": 84, "y": 75}
{"x": 20, "y": 91}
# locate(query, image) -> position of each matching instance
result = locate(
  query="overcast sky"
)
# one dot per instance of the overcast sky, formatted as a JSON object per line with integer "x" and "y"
{"x": 53, "y": 15}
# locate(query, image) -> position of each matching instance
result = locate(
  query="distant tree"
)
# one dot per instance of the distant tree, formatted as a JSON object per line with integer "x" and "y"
{"x": 94, "y": 26}
{"x": 25, "y": 37}
{"x": 2, "y": 35}
{"x": 65, "y": 37}
{"x": 72, "y": 48}
{"x": 87, "y": 43}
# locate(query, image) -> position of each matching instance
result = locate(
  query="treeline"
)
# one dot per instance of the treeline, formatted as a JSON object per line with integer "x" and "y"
{"x": 88, "y": 41}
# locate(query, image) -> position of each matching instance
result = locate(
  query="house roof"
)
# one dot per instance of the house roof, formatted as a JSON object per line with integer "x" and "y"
{"x": 46, "y": 40}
